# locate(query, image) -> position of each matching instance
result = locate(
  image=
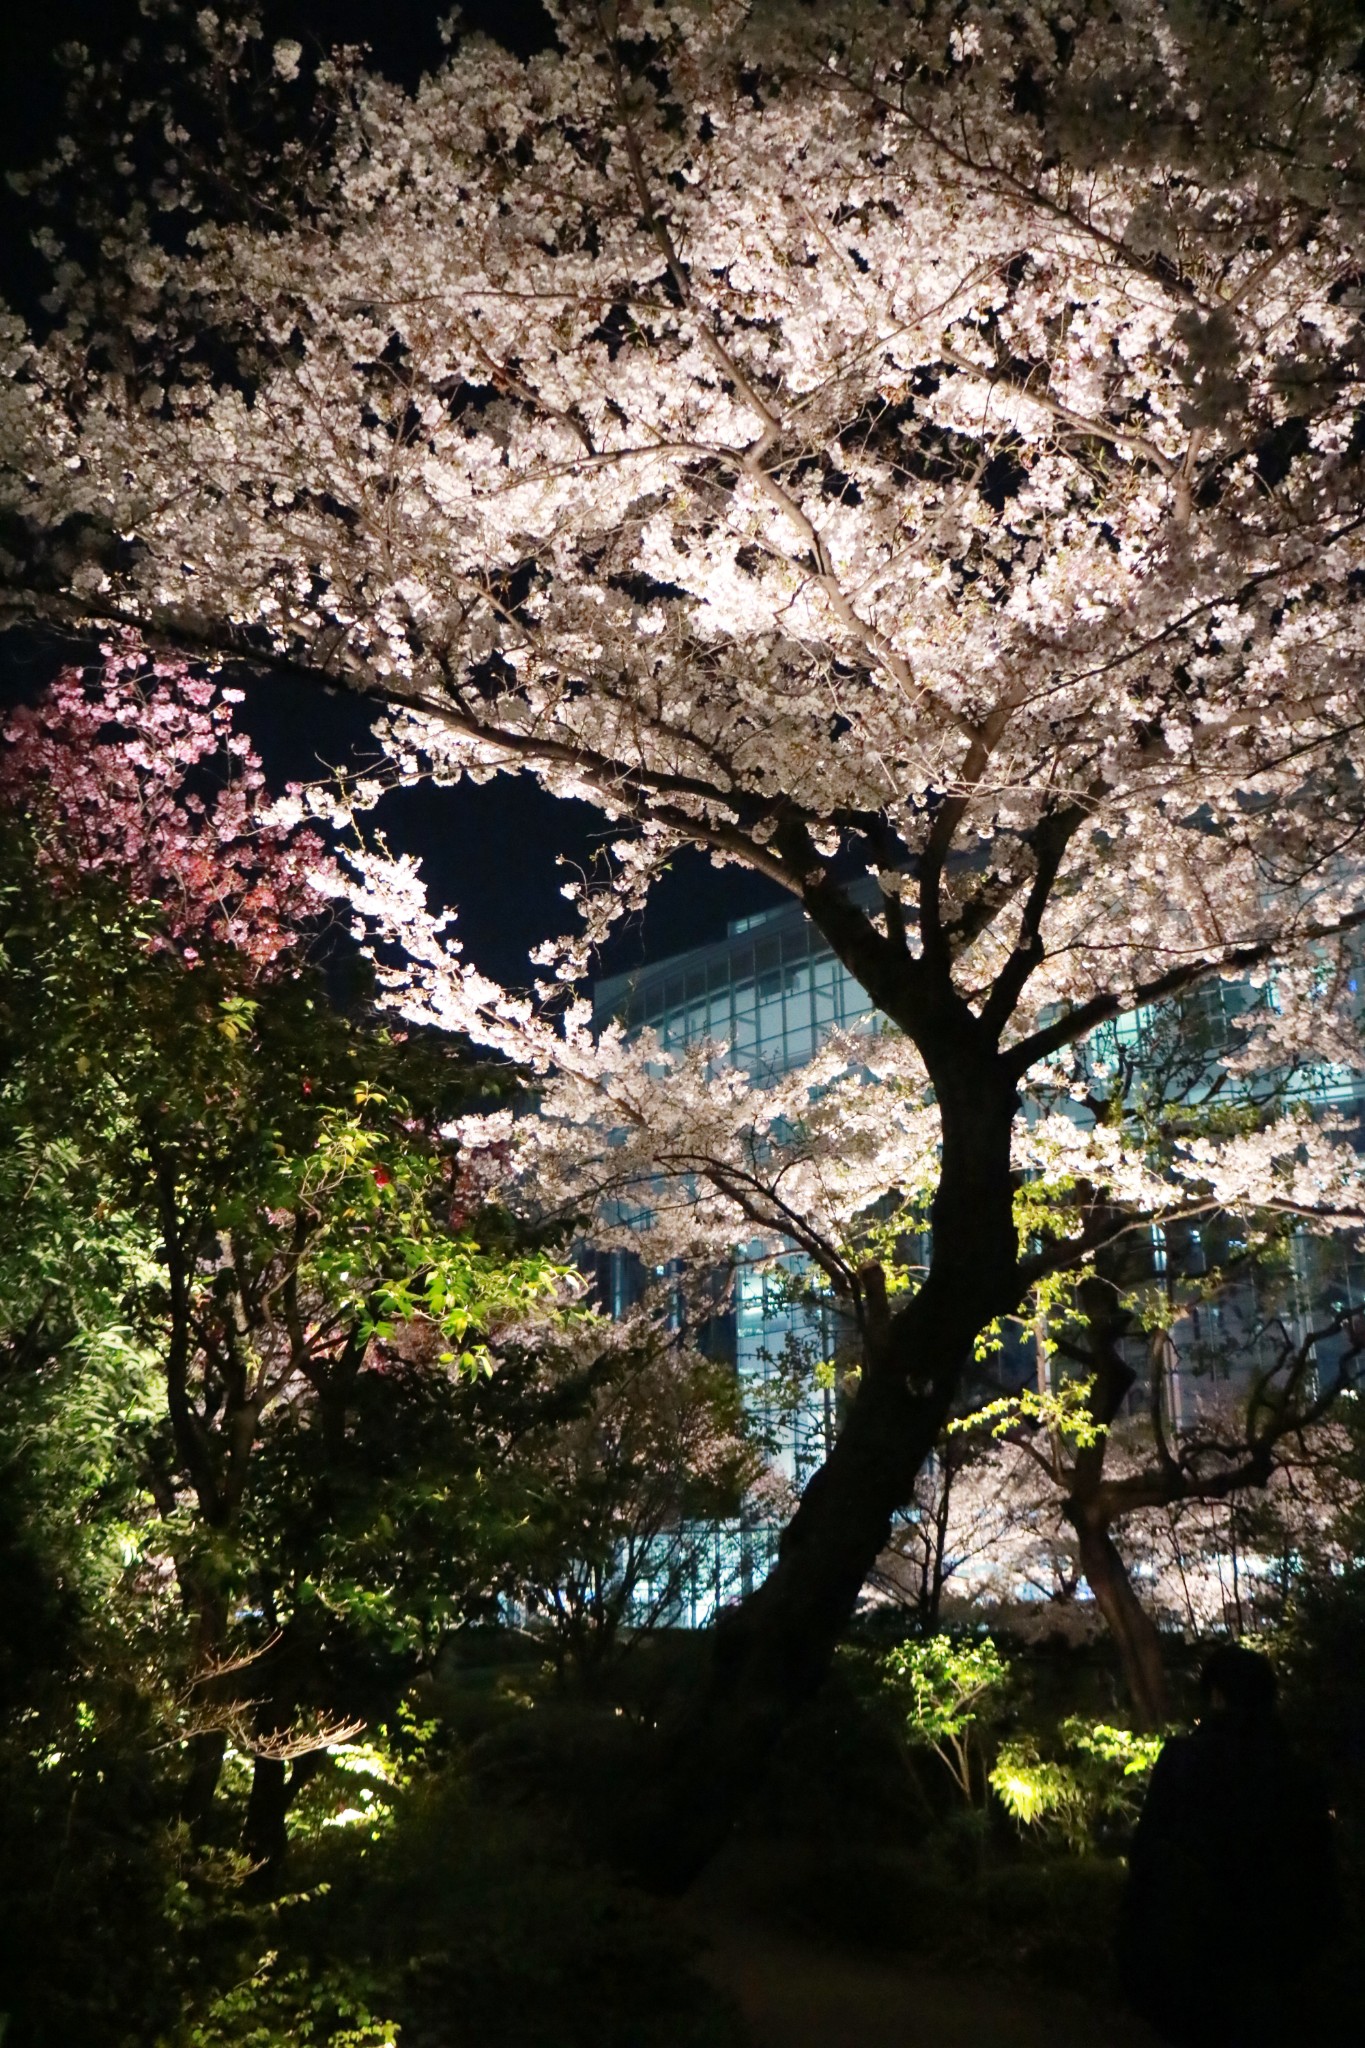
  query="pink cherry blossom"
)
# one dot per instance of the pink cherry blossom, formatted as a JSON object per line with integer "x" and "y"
{"x": 134, "y": 771}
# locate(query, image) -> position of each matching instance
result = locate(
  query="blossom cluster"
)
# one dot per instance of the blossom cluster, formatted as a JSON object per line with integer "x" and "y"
{"x": 135, "y": 771}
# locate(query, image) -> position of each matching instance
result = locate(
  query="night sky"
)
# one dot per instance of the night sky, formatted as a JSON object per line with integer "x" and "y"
{"x": 492, "y": 852}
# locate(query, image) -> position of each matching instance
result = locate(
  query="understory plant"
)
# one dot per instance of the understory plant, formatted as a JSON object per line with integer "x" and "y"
{"x": 1082, "y": 1785}
{"x": 951, "y": 1693}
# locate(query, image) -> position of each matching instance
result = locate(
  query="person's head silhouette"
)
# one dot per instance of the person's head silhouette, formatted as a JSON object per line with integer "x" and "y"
{"x": 1238, "y": 1685}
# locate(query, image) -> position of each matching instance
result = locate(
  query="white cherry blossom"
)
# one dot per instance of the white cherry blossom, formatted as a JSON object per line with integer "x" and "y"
{"x": 844, "y": 439}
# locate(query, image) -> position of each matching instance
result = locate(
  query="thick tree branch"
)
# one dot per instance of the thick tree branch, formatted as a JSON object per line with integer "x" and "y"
{"x": 1049, "y": 839}
{"x": 1103, "y": 1009}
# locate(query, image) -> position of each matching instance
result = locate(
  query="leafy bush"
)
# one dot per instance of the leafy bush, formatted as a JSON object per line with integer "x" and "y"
{"x": 950, "y": 1691}
{"x": 479, "y": 1927}
{"x": 1094, "y": 1785}
{"x": 89, "y": 1870}
{"x": 284, "y": 2004}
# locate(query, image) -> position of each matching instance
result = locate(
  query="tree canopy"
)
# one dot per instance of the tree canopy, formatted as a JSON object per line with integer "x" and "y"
{"x": 912, "y": 449}
{"x": 869, "y": 433}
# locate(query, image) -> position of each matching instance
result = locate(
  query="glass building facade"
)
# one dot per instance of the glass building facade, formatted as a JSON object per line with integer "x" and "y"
{"x": 774, "y": 990}
{"x": 771, "y": 987}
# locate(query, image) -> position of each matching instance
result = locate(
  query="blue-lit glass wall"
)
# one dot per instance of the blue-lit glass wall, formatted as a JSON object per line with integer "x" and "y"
{"x": 772, "y": 988}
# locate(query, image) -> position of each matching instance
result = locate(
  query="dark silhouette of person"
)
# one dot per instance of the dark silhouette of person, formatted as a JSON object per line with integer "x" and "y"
{"x": 1233, "y": 1895}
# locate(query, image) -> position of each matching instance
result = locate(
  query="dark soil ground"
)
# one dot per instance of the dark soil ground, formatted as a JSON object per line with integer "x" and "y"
{"x": 799, "y": 1994}
{"x": 808, "y": 1983}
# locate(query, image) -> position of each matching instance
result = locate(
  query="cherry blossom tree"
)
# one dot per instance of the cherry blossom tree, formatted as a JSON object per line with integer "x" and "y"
{"x": 134, "y": 772}
{"x": 982, "y": 1533}
{"x": 1214, "y": 1325}
{"x": 989, "y": 1537}
{"x": 911, "y": 443}
{"x": 1194, "y": 1360}
{"x": 1243, "y": 1562}
{"x": 1125, "y": 1489}
{"x": 1203, "y": 1444}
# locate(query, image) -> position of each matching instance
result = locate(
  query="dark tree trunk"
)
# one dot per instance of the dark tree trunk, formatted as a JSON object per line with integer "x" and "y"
{"x": 206, "y": 1754}
{"x": 275, "y": 1786}
{"x": 1136, "y": 1634}
{"x": 284, "y": 1674}
{"x": 267, "y": 1806}
{"x": 204, "y": 1606}
{"x": 772, "y": 1652}
{"x": 936, "y": 1571}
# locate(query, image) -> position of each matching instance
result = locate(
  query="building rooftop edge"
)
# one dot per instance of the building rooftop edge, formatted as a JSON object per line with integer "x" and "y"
{"x": 607, "y": 992}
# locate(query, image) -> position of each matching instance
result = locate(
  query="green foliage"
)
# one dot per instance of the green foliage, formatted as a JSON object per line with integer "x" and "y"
{"x": 90, "y": 1862}
{"x": 1074, "y": 1778}
{"x": 945, "y": 1682}
{"x": 463, "y": 1921}
{"x": 257, "y": 1468}
{"x": 847, "y": 1847}
{"x": 1094, "y": 1777}
{"x": 377, "y": 1251}
{"x": 622, "y": 1495}
{"x": 948, "y": 1690}
{"x": 249, "y": 1445}
{"x": 1063, "y": 1410}
{"x": 228, "y": 1201}
{"x": 494, "y": 1934}
{"x": 283, "y": 2003}
{"x": 892, "y": 1235}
